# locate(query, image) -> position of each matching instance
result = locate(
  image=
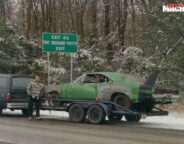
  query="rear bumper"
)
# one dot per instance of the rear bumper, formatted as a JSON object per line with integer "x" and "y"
{"x": 158, "y": 95}
{"x": 17, "y": 105}
{"x": 165, "y": 97}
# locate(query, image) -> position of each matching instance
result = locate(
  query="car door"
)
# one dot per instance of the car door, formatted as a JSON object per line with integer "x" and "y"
{"x": 4, "y": 89}
{"x": 81, "y": 91}
{"x": 19, "y": 88}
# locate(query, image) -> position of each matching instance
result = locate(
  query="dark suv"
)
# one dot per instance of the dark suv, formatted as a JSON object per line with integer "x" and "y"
{"x": 13, "y": 92}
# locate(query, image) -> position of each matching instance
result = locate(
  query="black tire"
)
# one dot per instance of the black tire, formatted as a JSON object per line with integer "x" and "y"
{"x": 123, "y": 101}
{"x": 133, "y": 118}
{"x": 25, "y": 112}
{"x": 76, "y": 113}
{"x": 115, "y": 117}
{"x": 96, "y": 114}
{"x": 1, "y": 112}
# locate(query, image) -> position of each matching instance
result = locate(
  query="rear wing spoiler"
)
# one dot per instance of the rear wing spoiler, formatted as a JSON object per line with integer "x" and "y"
{"x": 152, "y": 78}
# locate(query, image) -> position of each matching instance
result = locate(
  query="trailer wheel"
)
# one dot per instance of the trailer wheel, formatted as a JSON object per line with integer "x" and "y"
{"x": 115, "y": 117}
{"x": 123, "y": 101}
{"x": 96, "y": 114}
{"x": 76, "y": 113}
{"x": 133, "y": 118}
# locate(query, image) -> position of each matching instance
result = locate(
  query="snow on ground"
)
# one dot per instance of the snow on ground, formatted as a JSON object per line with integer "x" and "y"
{"x": 174, "y": 120}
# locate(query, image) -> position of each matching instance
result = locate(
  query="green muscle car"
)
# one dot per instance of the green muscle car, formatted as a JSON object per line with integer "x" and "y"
{"x": 116, "y": 87}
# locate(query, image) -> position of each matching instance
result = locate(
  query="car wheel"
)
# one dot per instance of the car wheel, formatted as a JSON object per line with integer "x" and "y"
{"x": 54, "y": 95}
{"x": 25, "y": 112}
{"x": 76, "y": 113}
{"x": 123, "y": 101}
{"x": 133, "y": 118}
{"x": 96, "y": 114}
{"x": 115, "y": 117}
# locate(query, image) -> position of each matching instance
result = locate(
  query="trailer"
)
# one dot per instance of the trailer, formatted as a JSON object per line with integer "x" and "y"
{"x": 95, "y": 111}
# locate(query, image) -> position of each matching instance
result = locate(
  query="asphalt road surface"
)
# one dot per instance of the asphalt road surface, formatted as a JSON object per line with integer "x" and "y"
{"x": 15, "y": 129}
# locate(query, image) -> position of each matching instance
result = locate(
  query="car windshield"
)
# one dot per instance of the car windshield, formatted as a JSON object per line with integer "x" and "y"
{"x": 80, "y": 79}
{"x": 21, "y": 82}
{"x": 3, "y": 82}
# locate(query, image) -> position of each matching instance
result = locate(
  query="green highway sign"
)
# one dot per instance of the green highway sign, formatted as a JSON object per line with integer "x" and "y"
{"x": 54, "y": 42}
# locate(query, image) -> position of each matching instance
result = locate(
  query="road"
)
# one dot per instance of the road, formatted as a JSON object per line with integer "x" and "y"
{"x": 15, "y": 129}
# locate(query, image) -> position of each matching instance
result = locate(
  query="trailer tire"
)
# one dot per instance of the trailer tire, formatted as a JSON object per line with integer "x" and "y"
{"x": 96, "y": 114}
{"x": 76, "y": 113}
{"x": 133, "y": 118}
{"x": 123, "y": 101}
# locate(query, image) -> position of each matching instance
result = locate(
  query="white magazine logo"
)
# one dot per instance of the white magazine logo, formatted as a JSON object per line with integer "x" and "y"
{"x": 173, "y": 8}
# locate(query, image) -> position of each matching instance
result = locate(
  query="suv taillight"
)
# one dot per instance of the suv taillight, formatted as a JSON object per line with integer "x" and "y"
{"x": 8, "y": 97}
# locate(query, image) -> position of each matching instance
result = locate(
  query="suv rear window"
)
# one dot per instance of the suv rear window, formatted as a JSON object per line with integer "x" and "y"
{"x": 21, "y": 82}
{"x": 3, "y": 82}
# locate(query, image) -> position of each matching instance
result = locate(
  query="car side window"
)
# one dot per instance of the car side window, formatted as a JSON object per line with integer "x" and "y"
{"x": 21, "y": 82}
{"x": 3, "y": 82}
{"x": 91, "y": 79}
{"x": 96, "y": 78}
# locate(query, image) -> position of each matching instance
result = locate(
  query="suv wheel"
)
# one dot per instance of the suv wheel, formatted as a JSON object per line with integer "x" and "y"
{"x": 1, "y": 111}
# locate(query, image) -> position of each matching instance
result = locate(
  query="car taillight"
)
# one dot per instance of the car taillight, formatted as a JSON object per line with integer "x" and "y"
{"x": 148, "y": 97}
{"x": 8, "y": 97}
{"x": 97, "y": 99}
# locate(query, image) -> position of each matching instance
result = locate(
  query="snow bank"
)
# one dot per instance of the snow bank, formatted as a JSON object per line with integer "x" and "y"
{"x": 174, "y": 120}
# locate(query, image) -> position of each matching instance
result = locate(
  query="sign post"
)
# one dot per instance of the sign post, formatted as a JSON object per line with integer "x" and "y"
{"x": 48, "y": 62}
{"x": 71, "y": 68}
{"x": 65, "y": 43}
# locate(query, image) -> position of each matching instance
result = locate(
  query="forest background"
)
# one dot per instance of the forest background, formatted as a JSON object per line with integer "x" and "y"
{"x": 131, "y": 36}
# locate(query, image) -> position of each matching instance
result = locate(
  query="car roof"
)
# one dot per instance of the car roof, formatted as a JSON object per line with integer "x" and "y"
{"x": 14, "y": 75}
{"x": 113, "y": 75}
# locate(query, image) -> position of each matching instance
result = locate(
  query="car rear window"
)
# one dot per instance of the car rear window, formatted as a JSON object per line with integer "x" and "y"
{"x": 21, "y": 82}
{"x": 3, "y": 82}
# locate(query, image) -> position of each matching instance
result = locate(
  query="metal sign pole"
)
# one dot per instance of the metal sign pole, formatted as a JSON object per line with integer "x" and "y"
{"x": 71, "y": 68}
{"x": 48, "y": 62}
